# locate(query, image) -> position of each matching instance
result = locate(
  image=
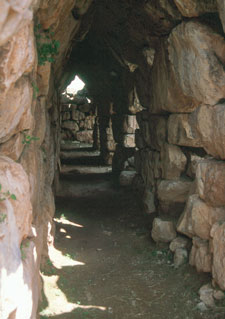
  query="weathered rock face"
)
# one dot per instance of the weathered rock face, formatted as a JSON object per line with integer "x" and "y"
{"x": 205, "y": 49}
{"x": 163, "y": 231}
{"x": 210, "y": 181}
{"x": 217, "y": 234}
{"x": 201, "y": 256}
{"x": 174, "y": 161}
{"x": 15, "y": 226}
{"x": 198, "y": 218}
{"x": 194, "y": 8}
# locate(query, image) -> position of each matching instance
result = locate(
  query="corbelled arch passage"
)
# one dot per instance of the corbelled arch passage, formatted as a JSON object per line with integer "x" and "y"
{"x": 154, "y": 71}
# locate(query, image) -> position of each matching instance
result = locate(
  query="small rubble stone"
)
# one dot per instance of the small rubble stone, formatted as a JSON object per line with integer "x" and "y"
{"x": 163, "y": 231}
{"x": 218, "y": 294}
{"x": 201, "y": 306}
{"x": 179, "y": 242}
{"x": 180, "y": 257}
{"x": 206, "y": 295}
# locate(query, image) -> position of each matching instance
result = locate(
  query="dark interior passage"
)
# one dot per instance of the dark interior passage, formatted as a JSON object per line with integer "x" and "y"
{"x": 109, "y": 267}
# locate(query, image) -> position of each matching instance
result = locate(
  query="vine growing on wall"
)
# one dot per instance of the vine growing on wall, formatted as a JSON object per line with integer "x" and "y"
{"x": 47, "y": 47}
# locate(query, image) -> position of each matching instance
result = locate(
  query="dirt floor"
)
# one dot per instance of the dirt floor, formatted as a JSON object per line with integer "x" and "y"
{"x": 105, "y": 265}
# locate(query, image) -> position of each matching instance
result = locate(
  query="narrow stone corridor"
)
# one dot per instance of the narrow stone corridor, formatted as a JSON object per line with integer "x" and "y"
{"x": 104, "y": 264}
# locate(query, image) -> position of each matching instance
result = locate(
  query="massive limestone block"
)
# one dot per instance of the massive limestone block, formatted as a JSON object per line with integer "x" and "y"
{"x": 13, "y": 147}
{"x": 210, "y": 176}
{"x": 218, "y": 235}
{"x": 162, "y": 14}
{"x": 194, "y": 8}
{"x": 14, "y": 179}
{"x": 129, "y": 140}
{"x": 200, "y": 255}
{"x": 221, "y": 8}
{"x": 182, "y": 130}
{"x": 193, "y": 160}
{"x": 17, "y": 57}
{"x": 33, "y": 163}
{"x": 198, "y": 218}
{"x": 15, "y": 225}
{"x": 13, "y": 16}
{"x": 173, "y": 161}
{"x": 196, "y": 54}
{"x": 163, "y": 231}
{"x": 166, "y": 92}
{"x": 210, "y": 127}
{"x": 130, "y": 124}
{"x": 15, "y": 110}
{"x": 174, "y": 191}
{"x": 153, "y": 129}
{"x": 172, "y": 195}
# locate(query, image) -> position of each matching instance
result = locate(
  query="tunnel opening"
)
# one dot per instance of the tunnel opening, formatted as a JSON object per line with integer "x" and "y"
{"x": 134, "y": 161}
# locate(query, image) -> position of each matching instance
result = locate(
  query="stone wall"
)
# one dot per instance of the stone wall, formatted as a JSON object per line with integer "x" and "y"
{"x": 180, "y": 140}
{"x": 29, "y": 146}
{"x": 78, "y": 121}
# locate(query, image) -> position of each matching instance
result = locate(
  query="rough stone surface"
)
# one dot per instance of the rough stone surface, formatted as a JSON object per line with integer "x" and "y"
{"x": 126, "y": 178}
{"x": 166, "y": 92}
{"x": 13, "y": 147}
{"x": 210, "y": 176}
{"x": 194, "y": 8}
{"x": 180, "y": 257}
{"x": 218, "y": 235}
{"x": 174, "y": 191}
{"x": 221, "y": 9}
{"x": 15, "y": 113}
{"x": 181, "y": 131}
{"x": 206, "y": 295}
{"x": 173, "y": 161}
{"x": 85, "y": 136}
{"x": 129, "y": 140}
{"x": 179, "y": 242}
{"x": 200, "y": 255}
{"x": 17, "y": 58}
{"x": 15, "y": 225}
{"x": 200, "y": 51}
{"x": 198, "y": 218}
{"x": 14, "y": 15}
{"x": 163, "y": 231}
{"x": 149, "y": 201}
{"x": 210, "y": 127}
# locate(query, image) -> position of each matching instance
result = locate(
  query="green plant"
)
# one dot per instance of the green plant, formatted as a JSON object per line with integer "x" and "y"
{"x": 23, "y": 254}
{"x": 28, "y": 139}
{"x": 47, "y": 48}
{"x": 35, "y": 90}
{"x": 2, "y": 217}
{"x": 6, "y": 195}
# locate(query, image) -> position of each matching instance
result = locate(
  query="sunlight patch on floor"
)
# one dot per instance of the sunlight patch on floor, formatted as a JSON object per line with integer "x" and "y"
{"x": 63, "y": 220}
{"x": 59, "y": 260}
{"x": 56, "y": 298}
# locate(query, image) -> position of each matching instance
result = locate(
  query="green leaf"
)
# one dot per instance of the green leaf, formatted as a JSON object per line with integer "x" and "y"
{"x": 0, "y": 187}
{"x": 13, "y": 196}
